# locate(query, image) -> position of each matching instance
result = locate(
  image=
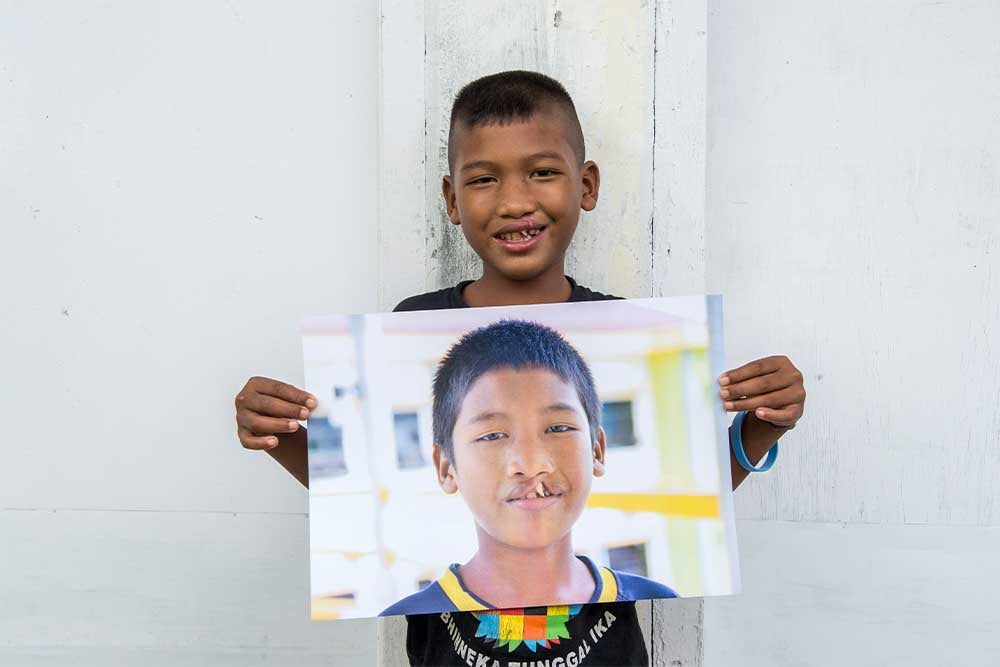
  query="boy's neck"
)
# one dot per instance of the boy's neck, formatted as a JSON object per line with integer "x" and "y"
{"x": 495, "y": 289}
{"x": 507, "y": 577}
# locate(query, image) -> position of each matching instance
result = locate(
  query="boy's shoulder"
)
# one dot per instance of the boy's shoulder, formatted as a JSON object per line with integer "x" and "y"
{"x": 431, "y": 600}
{"x": 636, "y": 587}
{"x": 451, "y": 297}
{"x": 442, "y": 299}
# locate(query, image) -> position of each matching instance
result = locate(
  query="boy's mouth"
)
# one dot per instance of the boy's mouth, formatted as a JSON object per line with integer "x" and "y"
{"x": 520, "y": 236}
{"x": 538, "y": 492}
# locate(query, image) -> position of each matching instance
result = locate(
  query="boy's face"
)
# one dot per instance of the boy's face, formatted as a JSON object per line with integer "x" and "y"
{"x": 517, "y": 191}
{"x": 524, "y": 459}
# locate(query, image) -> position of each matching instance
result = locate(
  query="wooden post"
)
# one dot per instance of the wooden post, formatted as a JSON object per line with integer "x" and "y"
{"x": 636, "y": 71}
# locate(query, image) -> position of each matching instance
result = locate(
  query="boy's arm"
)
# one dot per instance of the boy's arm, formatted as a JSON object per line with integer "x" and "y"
{"x": 772, "y": 391}
{"x": 267, "y": 418}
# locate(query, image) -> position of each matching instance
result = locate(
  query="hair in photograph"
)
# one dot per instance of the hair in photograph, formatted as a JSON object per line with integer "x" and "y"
{"x": 515, "y": 344}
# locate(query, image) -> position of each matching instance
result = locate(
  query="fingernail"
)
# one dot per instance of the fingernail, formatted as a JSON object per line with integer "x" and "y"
{"x": 760, "y": 412}
{"x": 292, "y": 425}
{"x": 724, "y": 380}
{"x": 728, "y": 405}
{"x": 272, "y": 441}
{"x": 310, "y": 403}
{"x": 303, "y": 414}
{"x": 724, "y": 393}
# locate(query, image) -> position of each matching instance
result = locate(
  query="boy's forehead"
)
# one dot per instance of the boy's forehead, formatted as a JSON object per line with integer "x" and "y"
{"x": 545, "y": 131}
{"x": 541, "y": 386}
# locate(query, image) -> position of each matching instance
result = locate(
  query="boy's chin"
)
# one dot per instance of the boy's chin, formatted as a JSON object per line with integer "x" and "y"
{"x": 536, "y": 542}
{"x": 523, "y": 269}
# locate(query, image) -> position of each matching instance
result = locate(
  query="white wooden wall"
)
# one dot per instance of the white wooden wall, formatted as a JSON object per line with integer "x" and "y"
{"x": 854, "y": 223}
{"x": 179, "y": 183}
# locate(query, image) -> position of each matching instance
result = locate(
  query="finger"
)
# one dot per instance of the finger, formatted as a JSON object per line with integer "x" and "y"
{"x": 284, "y": 391}
{"x": 259, "y": 425}
{"x": 251, "y": 441}
{"x": 753, "y": 369}
{"x": 786, "y": 416}
{"x": 762, "y": 384}
{"x": 774, "y": 399}
{"x": 268, "y": 406}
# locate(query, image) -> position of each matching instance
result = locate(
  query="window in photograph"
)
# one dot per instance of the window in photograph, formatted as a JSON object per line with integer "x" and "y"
{"x": 326, "y": 448}
{"x": 629, "y": 558}
{"x": 407, "y": 429}
{"x": 616, "y": 417}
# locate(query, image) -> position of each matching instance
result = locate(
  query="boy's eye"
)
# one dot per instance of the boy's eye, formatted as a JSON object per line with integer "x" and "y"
{"x": 560, "y": 428}
{"x": 544, "y": 173}
{"x": 482, "y": 180}
{"x": 490, "y": 437}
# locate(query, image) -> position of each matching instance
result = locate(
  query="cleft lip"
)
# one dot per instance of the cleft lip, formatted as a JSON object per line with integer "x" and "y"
{"x": 518, "y": 227}
{"x": 521, "y": 491}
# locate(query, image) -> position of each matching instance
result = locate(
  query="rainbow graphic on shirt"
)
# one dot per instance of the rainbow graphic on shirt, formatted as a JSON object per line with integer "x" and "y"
{"x": 531, "y": 626}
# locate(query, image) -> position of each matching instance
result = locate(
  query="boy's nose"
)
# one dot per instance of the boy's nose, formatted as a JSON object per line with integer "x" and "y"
{"x": 516, "y": 200}
{"x": 528, "y": 457}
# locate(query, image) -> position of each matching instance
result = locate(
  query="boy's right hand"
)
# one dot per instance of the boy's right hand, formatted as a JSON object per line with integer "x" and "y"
{"x": 268, "y": 411}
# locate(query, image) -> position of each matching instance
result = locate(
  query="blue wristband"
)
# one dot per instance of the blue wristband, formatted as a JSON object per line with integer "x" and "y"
{"x": 736, "y": 444}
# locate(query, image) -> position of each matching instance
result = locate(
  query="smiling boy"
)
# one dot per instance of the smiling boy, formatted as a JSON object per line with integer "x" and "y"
{"x": 517, "y": 432}
{"x": 518, "y": 167}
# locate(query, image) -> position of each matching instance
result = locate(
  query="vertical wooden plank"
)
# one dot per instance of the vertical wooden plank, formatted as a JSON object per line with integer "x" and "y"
{"x": 678, "y": 227}
{"x": 391, "y": 640}
{"x": 459, "y": 50}
{"x": 401, "y": 201}
{"x": 602, "y": 53}
{"x": 678, "y": 234}
{"x": 606, "y": 56}
{"x": 678, "y": 633}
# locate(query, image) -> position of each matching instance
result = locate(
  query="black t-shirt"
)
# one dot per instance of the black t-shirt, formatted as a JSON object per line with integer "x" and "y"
{"x": 451, "y": 297}
{"x": 590, "y": 634}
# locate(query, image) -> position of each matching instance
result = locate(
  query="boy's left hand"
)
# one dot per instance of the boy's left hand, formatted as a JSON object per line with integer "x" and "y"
{"x": 771, "y": 389}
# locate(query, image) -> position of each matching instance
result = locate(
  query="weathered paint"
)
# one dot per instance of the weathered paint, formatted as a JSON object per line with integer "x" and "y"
{"x": 603, "y": 53}
{"x": 618, "y": 60}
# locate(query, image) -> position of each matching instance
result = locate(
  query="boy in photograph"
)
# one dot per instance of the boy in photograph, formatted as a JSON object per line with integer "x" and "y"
{"x": 517, "y": 432}
{"x": 518, "y": 180}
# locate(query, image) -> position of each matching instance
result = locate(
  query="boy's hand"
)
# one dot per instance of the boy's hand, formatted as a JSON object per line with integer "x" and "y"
{"x": 267, "y": 409}
{"x": 771, "y": 389}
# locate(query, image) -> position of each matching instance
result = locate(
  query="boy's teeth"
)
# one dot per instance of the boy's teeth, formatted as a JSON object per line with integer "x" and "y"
{"x": 522, "y": 235}
{"x": 531, "y": 495}
{"x": 540, "y": 490}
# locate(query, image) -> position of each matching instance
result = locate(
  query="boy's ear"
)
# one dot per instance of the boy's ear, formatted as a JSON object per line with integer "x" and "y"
{"x": 591, "y": 177}
{"x": 445, "y": 471}
{"x": 599, "y": 446}
{"x": 448, "y": 191}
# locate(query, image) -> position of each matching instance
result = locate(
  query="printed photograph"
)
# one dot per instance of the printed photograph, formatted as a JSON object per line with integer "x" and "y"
{"x": 517, "y": 458}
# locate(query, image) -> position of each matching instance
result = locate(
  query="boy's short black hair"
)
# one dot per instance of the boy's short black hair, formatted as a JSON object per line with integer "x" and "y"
{"x": 514, "y": 344}
{"x": 511, "y": 96}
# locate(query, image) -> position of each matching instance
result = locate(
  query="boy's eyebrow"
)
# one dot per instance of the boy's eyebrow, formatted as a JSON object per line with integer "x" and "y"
{"x": 486, "y": 416}
{"x": 487, "y": 164}
{"x": 561, "y": 407}
{"x": 494, "y": 414}
{"x": 542, "y": 155}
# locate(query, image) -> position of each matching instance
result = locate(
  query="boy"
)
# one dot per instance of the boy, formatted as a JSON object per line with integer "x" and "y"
{"x": 519, "y": 178}
{"x": 517, "y": 431}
